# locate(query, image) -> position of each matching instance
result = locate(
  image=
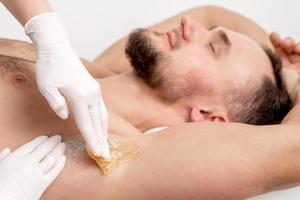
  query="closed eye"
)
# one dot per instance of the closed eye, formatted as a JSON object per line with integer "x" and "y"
{"x": 212, "y": 48}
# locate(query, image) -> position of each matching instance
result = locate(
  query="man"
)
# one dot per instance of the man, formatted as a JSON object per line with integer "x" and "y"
{"x": 198, "y": 146}
{"x": 209, "y": 18}
{"x": 192, "y": 63}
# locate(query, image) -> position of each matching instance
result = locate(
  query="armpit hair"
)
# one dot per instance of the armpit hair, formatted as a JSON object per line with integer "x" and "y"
{"x": 74, "y": 146}
{"x": 17, "y": 71}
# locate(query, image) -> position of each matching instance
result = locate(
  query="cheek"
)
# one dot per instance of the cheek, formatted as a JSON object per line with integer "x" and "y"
{"x": 240, "y": 76}
{"x": 205, "y": 82}
{"x": 191, "y": 58}
{"x": 197, "y": 68}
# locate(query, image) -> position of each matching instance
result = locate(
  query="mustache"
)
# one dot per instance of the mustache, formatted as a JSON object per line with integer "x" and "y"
{"x": 178, "y": 36}
{"x": 176, "y": 33}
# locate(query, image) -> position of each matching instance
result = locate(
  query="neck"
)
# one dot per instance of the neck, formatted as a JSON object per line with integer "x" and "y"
{"x": 129, "y": 97}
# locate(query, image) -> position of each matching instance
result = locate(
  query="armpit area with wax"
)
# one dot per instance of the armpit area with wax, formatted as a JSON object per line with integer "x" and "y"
{"x": 121, "y": 150}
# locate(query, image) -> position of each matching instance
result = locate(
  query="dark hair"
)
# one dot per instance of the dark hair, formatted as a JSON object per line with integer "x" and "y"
{"x": 267, "y": 104}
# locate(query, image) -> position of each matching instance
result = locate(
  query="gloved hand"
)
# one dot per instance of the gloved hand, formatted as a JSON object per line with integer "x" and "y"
{"x": 28, "y": 171}
{"x": 60, "y": 74}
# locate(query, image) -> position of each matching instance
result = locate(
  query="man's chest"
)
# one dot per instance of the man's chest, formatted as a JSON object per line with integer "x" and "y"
{"x": 25, "y": 114}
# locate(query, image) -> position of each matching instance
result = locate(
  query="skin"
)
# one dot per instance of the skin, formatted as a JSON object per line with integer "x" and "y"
{"x": 93, "y": 124}
{"x": 201, "y": 140}
{"x": 202, "y": 66}
{"x": 208, "y": 16}
{"x": 211, "y": 142}
{"x": 208, "y": 144}
{"x": 24, "y": 10}
{"x": 287, "y": 48}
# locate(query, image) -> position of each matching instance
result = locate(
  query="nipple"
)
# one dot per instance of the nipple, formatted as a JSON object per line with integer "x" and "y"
{"x": 121, "y": 150}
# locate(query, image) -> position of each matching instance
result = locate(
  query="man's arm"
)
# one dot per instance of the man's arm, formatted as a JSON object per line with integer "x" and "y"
{"x": 193, "y": 161}
{"x": 209, "y": 16}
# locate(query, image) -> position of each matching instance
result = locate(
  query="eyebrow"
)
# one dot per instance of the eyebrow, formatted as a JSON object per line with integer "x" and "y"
{"x": 224, "y": 37}
{"x": 213, "y": 27}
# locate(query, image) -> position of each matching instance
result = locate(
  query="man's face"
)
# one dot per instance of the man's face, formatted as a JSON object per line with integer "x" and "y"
{"x": 190, "y": 60}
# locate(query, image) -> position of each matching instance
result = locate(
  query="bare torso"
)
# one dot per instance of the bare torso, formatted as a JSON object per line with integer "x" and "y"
{"x": 25, "y": 114}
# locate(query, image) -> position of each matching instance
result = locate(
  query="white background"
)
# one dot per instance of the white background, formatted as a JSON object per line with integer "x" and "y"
{"x": 94, "y": 24}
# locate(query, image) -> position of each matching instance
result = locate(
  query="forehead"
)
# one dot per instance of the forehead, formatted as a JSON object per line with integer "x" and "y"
{"x": 247, "y": 57}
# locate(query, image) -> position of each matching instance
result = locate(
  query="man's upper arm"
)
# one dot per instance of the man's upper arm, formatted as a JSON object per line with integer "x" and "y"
{"x": 218, "y": 16}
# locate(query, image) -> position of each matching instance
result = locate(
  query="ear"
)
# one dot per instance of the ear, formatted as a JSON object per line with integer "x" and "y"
{"x": 202, "y": 114}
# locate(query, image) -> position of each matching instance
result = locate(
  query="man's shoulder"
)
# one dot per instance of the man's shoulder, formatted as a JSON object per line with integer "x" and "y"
{"x": 119, "y": 126}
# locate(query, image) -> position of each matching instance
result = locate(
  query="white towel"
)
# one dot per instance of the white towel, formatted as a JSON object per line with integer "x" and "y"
{"x": 154, "y": 130}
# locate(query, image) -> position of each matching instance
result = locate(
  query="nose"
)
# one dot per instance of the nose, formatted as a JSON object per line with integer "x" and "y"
{"x": 191, "y": 28}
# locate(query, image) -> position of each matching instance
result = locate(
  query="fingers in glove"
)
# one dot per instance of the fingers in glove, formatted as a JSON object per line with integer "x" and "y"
{"x": 104, "y": 117}
{"x": 106, "y": 152}
{"x": 30, "y": 146}
{"x": 52, "y": 158}
{"x": 85, "y": 125}
{"x": 104, "y": 126}
{"x": 56, "y": 101}
{"x": 97, "y": 120}
{"x": 54, "y": 172}
{"x": 5, "y": 152}
{"x": 43, "y": 149}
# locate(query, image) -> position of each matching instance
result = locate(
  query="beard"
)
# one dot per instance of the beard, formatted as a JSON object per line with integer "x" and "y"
{"x": 144, "y": 58}
{"x": 146, "y": 61}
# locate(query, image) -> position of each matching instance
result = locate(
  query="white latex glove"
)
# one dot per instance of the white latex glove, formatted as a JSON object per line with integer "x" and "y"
{"x": 61, "y": 76}
{"x": 28, "y": 171}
